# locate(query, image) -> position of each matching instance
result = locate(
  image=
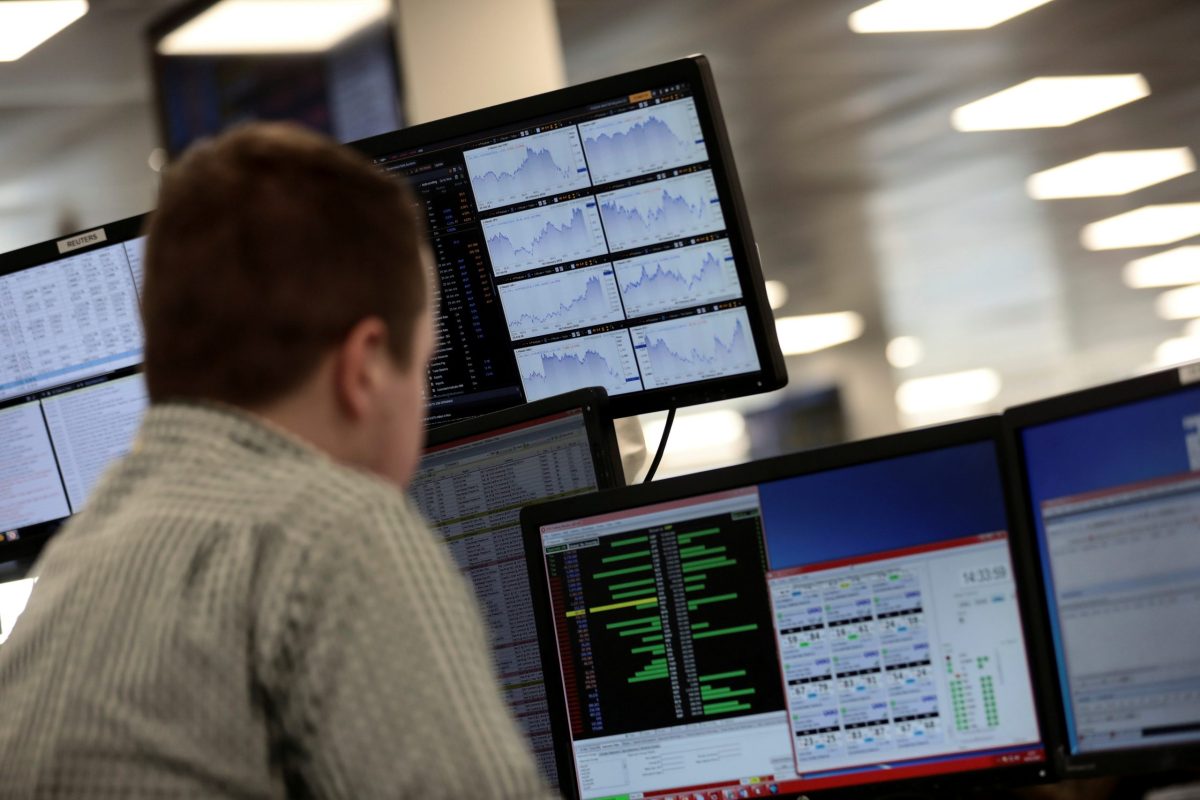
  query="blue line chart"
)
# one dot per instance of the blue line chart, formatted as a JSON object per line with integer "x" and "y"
{"x": 679, "y": 278}
{"x": 643, "y": 141}
{"x": 649, "y": 213}
{"x": 526, "y": 168}
{"x": 543, "y": 236}
{"x": 561, "y": 301}
{"x": 605, "y": 359}
{"x": 695, "y": 348}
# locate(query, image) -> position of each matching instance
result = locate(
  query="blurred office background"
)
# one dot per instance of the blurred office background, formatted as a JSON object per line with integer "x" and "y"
{"x": 919, "y": 274}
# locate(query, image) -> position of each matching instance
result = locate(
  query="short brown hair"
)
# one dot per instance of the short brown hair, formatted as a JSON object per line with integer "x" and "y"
{"x": 268, "y": 245}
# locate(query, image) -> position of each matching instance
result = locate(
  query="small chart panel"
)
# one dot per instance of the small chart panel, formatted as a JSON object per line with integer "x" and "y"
{"x": 527, "y": 168}
{"x": 680, "y": 278}
{"x": 539, "y": 237}
{"x": 695, "y": 348}
{"x": 605, "y": 359}
{"x": 661, "y": 211}
{"x": 560, "y": 302}
{"x": 644, "y": 140}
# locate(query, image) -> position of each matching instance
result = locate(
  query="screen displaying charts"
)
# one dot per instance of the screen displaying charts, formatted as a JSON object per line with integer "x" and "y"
{"x": 561, "y": 301}
{"x": 672, "y": 279}
{"x": 605, "y": 359}
{"x": 662, "y": 211}
{"x": 694, "y": 348}
{"x": 653, "y": 138}
{"x": 591, "y": 245}
{"x": 544, "y": 235}
{"x": 527, "y": 167}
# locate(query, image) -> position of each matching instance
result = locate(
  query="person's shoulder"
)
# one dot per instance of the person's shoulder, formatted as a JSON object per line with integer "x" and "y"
{"x": 351, "y": 505}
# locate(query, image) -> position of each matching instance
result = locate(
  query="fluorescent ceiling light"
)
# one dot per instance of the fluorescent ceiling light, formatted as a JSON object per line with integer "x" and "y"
{"x": 1050, "y": 102}
{"x": 1108, "y": 174}
{"x": 1179, "y": 303}
{"x": 950, "y": 391}
{"x": 1144, "y": 227}
{"x": 777, "y": 294}
{"x": 1177, "y": 351}
{"x": 905, "y": 16}
{"x": 1170, "y": 268}
{"x": 905, "y": 351}
{"x": 272, "y": 26}
{"x": 813, "y": 332}
{"x": 24, "y": 24}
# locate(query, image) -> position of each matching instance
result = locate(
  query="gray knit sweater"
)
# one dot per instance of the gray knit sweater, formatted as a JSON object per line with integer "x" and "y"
{"x": 235, "y": 615}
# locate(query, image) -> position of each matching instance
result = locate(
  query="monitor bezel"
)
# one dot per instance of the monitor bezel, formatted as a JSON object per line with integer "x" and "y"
{"x": 593, "y": 402}
{"x": 983, "y": 429}
{"x": 695, "y": 70}
{"x": 1134, "y": 760}
{"x": 176, "y": 17}
{"x": 44, "y": 253}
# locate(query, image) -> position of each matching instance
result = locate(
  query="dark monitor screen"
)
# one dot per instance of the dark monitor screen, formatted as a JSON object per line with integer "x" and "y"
{"x": 593, "y": 236}
{"x": 350, "y": 91}
{"x": 71, "y": 390}
{"x": 1113, "y": 483}
{"x": 845, "y": 617}
{"x": 475, "y": 478}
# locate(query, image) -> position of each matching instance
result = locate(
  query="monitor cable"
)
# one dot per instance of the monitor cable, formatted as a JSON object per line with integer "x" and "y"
{"x": 662, "y": 446}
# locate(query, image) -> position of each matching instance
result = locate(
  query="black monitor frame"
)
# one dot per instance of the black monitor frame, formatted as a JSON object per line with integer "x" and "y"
{"x": 984, "y": 429}
{"x": 179, "y": 15}
{"x": 602, "y": 435}
{"x": 519, "y": 114}
{"x": 1128, "y": 760}
{"x": 47, "y": 252}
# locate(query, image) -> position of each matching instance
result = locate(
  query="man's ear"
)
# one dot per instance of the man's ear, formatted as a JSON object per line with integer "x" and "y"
{"x": 358, "y": 367}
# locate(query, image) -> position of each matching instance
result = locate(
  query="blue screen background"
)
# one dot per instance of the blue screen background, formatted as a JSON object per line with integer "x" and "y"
{"x": 1101, "y": 450}
{"x": 885, "y": 505}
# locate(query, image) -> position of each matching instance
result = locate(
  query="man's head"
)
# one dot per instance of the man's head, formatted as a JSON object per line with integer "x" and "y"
{"x": 287, "y": 276}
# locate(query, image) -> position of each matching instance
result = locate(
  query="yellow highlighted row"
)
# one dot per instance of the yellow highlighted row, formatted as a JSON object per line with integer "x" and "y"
{"x": 645, "y": 601}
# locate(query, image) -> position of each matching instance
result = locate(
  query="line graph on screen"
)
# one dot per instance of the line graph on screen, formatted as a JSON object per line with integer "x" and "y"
{"x": 643, "y": 141}
{"x": 561, "y": 302}
{"x": 605, "y": 359}
{"x": 695, "y": 348}
{"x": 661, "y": 211}
{"x": 679, "y": 278}
{"x": 527, "y": 168}
{"x": 543, "y": 236}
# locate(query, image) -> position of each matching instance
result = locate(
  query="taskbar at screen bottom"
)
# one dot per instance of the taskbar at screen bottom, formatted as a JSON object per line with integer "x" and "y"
{"x": 773, "y": 786}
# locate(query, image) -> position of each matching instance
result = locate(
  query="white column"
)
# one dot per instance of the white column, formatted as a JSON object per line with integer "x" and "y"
{"x": 459, "y": 55}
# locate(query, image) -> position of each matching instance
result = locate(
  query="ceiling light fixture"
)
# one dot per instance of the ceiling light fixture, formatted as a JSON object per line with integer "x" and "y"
{"x": 905, "y": 351}
{"x": 947, "y": 392}
{"x": 777, "y": 294}
{"x": 1176, "y": 267}
{"x": 272, "y": 26}
{"x": 1112, "y": 173}
{"x": 24, "y": 24}
{"x": 1050, "y": 102}
{"x": 813, "y": 332}
{"x": 1179, "y": 303}
{"x": 908, "y": 16}
{"x": 1143, "y": 227}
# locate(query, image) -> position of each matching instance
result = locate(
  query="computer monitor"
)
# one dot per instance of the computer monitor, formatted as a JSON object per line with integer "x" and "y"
{"x": 594, "y": 235}
{"x": 820, "y": 621}
{"x": 474, "y": 479}
{"x": 348, "y": 91}
{"x": 71, "y": 390}
{"x": 1111, "y": 478}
